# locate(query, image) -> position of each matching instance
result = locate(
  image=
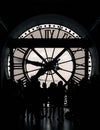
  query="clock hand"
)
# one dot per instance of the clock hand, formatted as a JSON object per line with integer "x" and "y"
{"x": 63, "y": 51}
{"x": 39, "y": 73}
{"x": 34, "y": 63}
{"x": 46, "y": 67}
{"x": 41, "y": 57}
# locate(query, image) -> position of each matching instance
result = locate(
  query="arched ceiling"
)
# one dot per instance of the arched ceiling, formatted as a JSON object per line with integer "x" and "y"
{"x": 14, "y": 13}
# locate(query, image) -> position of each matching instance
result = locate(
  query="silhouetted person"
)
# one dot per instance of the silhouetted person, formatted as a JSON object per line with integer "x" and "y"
{"x": 52, "y": 99}
{"x": 21, "y": 103}
{"x": 28, "y": 100}
{"x": 44, "y": 98}
{"x": 60, "y": 100}
{"x": 36, "y": 100}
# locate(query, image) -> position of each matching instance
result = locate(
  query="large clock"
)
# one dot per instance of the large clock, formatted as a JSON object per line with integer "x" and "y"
{"x": 56, "y": 63}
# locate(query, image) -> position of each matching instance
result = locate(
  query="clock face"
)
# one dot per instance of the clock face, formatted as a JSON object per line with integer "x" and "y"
{"x": 49, "y": 64}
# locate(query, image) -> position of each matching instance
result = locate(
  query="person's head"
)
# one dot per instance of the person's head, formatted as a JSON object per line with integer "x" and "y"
{"x": 60, "y": 83}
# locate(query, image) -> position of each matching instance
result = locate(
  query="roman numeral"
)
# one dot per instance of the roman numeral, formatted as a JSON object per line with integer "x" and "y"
{"x": 19, "y": 74}
{"x": 77, "y": 79}
{"x": 75, "y": 51}
{"x": 22, "y": 50}
{"x": 66, "y": 35}
{"x": 40, "y": 33}
{"x": 23, "y": 79}
{"x": 79, "y": 74}
{"x": 80, "y": 58}
{"x": 49, "y": 33}
{"x": 80, "y": 66}
{"x": 58, "y": 33}
{"x": 17, "y": 66}
{"x": 17, "y": 58}
{"x": 32, "y": 36}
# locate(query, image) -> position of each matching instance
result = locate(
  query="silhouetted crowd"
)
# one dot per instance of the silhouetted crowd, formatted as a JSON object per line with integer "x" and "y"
{"x": 32, "y": 103}
{"x": 35, "y": 102}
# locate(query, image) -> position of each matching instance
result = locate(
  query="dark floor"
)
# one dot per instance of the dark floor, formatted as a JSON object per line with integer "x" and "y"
{"x": 69, "y": 122}
{"x": 53, "y": 124}
{"x": 50, "y": 123}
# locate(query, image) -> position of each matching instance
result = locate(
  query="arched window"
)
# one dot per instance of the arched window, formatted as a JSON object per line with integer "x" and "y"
{"x": 57, "y": 63}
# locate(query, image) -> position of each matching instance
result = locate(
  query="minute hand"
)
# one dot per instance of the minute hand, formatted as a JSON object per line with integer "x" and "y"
{"x": 55, "y": 59}
{"x": 34, "y": 63}
{"x": 47, "y": 67}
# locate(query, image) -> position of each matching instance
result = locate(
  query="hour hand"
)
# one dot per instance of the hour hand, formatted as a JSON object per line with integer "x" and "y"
{"x": 34, "y": 63}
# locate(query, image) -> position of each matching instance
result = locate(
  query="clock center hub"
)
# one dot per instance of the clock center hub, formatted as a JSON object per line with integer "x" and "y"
{"x": 51, "y": 65}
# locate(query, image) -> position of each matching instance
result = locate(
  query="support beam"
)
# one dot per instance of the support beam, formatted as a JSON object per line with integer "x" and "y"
{"x": 30, "y": 43}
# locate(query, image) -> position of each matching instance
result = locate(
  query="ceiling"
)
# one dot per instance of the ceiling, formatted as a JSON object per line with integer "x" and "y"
{"x": 85, "y": 14}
